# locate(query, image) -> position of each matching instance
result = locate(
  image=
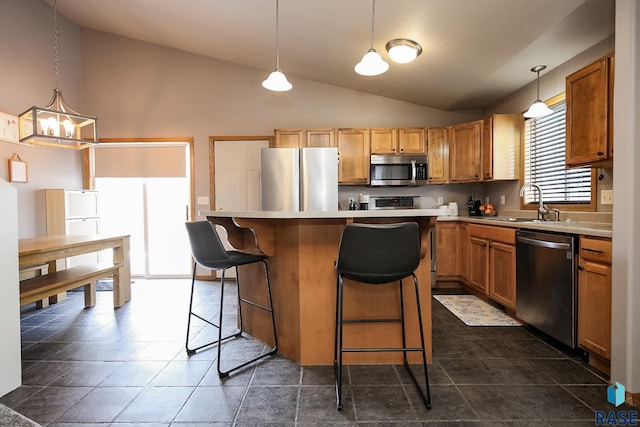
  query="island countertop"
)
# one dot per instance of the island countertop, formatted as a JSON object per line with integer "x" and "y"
{"x": 371, "y": 213}
{"x": 302, "y": 248}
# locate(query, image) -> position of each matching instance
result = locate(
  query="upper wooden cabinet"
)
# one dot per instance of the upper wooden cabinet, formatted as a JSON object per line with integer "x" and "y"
{"x": 300, "y": 138}
{"x": 589, "y": 96}
{"x": 354, "y": 152}
{"x": 501, "y": 147}
{"x": 438, "y": 151}
{"x": 465, "y": 142}
{"x": 397, "y": 141}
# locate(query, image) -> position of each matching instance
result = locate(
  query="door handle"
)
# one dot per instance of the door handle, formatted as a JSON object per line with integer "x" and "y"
{"x": 544, "y": 243}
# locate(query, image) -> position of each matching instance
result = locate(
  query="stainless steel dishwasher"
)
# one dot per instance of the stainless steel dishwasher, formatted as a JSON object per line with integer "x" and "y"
{"x": 546, "y": 295}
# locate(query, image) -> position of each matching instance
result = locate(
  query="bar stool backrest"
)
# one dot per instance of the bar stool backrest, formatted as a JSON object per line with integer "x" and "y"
{"x": 379, "y": 253}
{"x": 206, "y": 247}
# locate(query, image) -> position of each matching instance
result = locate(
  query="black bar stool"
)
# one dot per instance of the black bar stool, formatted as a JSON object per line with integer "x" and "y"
{"x": 378, "y": 254}
{"x": 209, "y": 253}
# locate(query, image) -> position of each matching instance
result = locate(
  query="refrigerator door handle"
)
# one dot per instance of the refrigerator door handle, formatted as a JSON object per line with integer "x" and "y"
{"x": 413, "y": 172}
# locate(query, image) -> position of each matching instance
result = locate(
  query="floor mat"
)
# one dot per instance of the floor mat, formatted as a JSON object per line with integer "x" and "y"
{"x": 475, "y": 312}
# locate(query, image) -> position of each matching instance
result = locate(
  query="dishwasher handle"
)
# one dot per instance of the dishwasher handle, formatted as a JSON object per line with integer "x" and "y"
{"x": 544, "y": 243}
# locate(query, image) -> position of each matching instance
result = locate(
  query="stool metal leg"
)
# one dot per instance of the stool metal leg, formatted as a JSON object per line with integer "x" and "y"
{"x": 426, "y": 397}
{"x": 337, "y": 362}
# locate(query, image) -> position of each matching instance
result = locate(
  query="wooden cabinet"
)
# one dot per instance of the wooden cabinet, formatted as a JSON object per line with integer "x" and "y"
{"x": 384, "y": 141}
{"x": 594, "y": 299}
{"x": 447, "y": 256}
{"x": 397, "y": 141}
{"x": 463, "y": 245}
{"x": 492, "y": 262}
{"x": 438, "y": 151}
{"x": 501, "y": 147}
{"x": 464, "y": 151}
{"x": 354, "y": 151}
{"x": 300, "y": 138}
{"x": 589, "y": 97}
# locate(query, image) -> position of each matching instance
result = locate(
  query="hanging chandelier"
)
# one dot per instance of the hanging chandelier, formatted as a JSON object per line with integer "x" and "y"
{"x": 57, "y": 125}
{"x": 277, "y": 81}
{"x": 372, "y": 63}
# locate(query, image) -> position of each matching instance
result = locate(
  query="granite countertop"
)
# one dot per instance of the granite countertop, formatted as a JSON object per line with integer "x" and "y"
{"x": 597, "y": 229}
{"x": 373, "y": 213}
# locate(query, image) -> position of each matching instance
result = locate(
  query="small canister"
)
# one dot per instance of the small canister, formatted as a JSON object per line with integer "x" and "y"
{"x": 452, "y": 209}
{"x": 364, "y": 202}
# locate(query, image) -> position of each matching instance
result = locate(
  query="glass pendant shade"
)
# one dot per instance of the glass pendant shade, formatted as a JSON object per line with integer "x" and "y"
{"x": 57, "y": 125}
{"x": 538, "y": 109}
{"x": 277, "y": 82}
{"x": 371, "y": 64}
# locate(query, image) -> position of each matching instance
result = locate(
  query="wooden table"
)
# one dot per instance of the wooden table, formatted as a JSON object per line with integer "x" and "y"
{"x": 46, "y": 250}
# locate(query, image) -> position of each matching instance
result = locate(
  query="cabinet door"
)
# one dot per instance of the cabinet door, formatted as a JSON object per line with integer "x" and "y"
{"x": 411, "y": 140}
{"x": 289, "y": 138}
{"x": 502, "y": 277}
{"x": 438, "y": 151}
{"x": 487, "y": 149}
{"x": 446, "y": 249}
{"x": 463, "y": 244}
{"x": 384, "y": 141}
{"x": 587, "y": 96}
{"x": 594, "y": 308}
{"x": 353, "y": 156}
{"x": 464, "y": 151}
{"x": 81, "y": 204}
{"x": 479, "y": 264}
{"x": 320, "y": 138}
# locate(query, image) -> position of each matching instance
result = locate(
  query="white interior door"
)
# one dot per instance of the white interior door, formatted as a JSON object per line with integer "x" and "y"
{"x": 237, "y": 174}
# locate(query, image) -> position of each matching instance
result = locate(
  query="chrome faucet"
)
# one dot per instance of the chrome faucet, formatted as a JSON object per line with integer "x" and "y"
{"x": 543, "y": 210}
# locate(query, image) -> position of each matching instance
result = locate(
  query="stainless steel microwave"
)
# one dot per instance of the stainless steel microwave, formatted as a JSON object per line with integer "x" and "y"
{"x": 398, "y": 169}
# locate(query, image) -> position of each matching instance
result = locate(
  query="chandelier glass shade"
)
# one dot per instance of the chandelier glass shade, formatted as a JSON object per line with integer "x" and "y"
{"x": 277, "y": 81}
{"x": 538, "y": 108}
{"x": 372, "y": 63}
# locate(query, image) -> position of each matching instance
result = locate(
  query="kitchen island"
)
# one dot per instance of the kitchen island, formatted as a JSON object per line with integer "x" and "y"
{"x": 302, "y": 249}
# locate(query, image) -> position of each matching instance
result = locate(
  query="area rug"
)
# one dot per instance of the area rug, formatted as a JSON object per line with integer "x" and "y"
{"x": 475, "y": 312}
{"x": 9, "y": 417}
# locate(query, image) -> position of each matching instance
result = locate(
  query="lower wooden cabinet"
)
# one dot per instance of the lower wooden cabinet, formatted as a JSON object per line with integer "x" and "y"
{"x": 463, "y": 245}
{"x": 478, "y": 264}
{"x": 447, "y": 255}
{"x": 594, "y": 297}
{"x": 502, "y": 277}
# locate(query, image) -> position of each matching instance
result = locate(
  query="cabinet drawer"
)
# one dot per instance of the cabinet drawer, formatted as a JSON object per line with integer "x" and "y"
{"x": 497, "y": 234}
{"x": 593, "y": 249}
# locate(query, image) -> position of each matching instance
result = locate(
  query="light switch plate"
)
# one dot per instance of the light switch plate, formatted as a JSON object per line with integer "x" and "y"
{"x": 440, "y": 200}
{"x": 606, "y": 197}
{"x": 203, "y": 200}
{"x": 503, "y": 200}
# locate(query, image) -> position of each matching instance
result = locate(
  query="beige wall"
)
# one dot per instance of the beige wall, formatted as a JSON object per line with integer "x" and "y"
{"x": 27, "y": 77}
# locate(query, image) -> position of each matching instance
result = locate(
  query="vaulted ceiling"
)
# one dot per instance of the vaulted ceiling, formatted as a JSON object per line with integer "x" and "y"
{"x": 475, "y": 52}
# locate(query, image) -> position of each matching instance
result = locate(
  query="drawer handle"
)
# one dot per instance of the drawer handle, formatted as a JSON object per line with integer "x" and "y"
{"x": 595, "y": 251}
{"x": 580, "y": 268}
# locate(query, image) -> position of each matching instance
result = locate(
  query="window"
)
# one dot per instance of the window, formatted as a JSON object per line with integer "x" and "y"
{"x": 544, "y": 162}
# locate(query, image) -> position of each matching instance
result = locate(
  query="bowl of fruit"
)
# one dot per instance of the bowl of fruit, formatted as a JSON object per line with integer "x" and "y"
{"x": 487, "y": 209}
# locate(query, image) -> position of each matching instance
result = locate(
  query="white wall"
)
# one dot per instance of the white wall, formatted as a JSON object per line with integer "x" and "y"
{"x": 10, "y": 358}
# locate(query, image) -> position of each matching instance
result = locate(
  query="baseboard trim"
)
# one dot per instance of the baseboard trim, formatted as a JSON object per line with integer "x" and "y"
{"x": 632, "y": 399}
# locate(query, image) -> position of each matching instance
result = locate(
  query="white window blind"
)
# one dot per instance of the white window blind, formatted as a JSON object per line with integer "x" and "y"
{"x": 544, "y": 162}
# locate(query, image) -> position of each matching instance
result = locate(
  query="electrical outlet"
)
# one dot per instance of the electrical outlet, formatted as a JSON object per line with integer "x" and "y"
{"x": 440, "y": 200}
{"x": 203, "y": 200}
{"x": 606, "y": 197}
{"x": 486, "y": 200}
{"x": 503, "y": 200}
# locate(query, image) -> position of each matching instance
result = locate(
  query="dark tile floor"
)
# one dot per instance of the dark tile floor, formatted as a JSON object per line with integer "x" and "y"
{"x": 100, "y": 366}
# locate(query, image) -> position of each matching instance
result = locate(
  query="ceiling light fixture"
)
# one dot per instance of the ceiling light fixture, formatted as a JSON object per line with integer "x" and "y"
{"x": 403, "y": 50}
{"x": 277, "y": 81}
{"x": 538, "y": 108}
{"x": 57, "y": 125}
{"x": 372, "y": 63}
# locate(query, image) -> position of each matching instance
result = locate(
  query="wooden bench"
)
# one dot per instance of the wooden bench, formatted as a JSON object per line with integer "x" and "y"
{"x": 46, "y": 285}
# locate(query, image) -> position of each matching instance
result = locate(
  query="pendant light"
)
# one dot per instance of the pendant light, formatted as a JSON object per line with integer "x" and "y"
{"x": 538, "y": 108}
{"x": 277, "y": 81}
{"x": 372, "y": 63}
{"x": 57, "y": 125}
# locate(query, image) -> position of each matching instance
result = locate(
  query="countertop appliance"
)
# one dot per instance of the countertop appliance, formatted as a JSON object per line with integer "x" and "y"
{"x": 398, "y": 169}
{"x": 304, "y": 179}
{"x": 394, "y": 202}
{"x": 546, "y": 296}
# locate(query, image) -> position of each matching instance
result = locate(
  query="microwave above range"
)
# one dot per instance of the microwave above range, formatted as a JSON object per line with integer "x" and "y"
{"x": 398, "y": 169}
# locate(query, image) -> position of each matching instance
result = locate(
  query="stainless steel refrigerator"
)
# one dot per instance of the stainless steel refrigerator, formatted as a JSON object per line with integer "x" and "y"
{"x": 304, "y": 179}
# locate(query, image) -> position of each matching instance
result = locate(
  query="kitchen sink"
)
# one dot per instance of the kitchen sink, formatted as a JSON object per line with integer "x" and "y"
{"x": 511, "y": 219}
